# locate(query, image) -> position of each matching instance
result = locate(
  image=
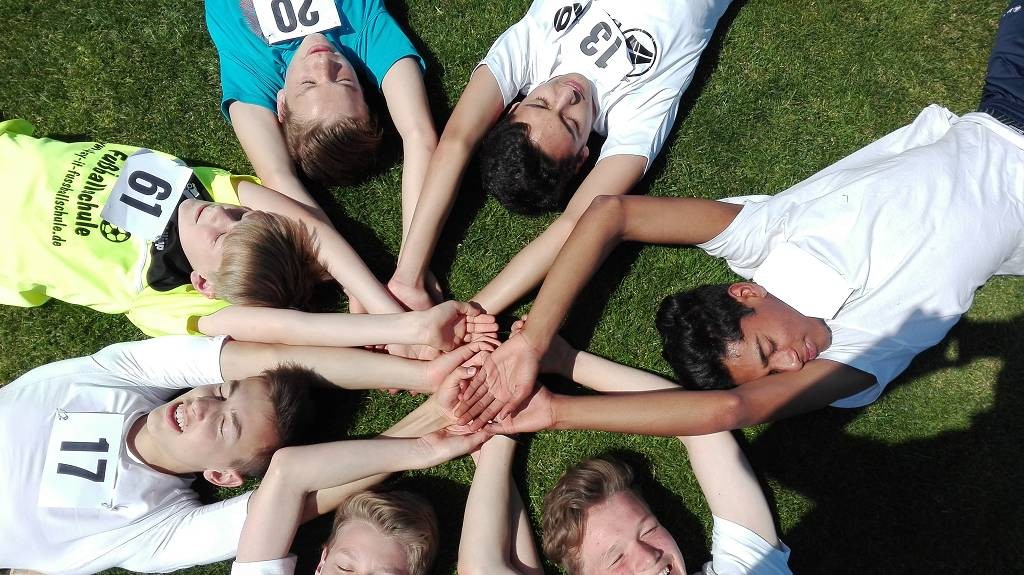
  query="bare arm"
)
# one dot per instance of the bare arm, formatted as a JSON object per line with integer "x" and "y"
{"x": 478, "y": 109}
{"x": 336, "y": 255}
{"x": 684, "y": 412}
{"x": 276, "y": 509}
{"x": 510, "y": 374}
{"x": 407, "y": 102}
{"x": 611, "y": 176}
{"x": 725, "y": 476}
{"x": 496, "y": 536}
{"x": 443, "y": 327}
{"x": 260, "y": 134}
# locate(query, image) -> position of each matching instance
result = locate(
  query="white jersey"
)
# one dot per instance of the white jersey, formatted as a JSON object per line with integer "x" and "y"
{"x": 913, "y": 224}
{"x": 736, "y": 550}
{"x": 149, "y": 521}
{"x": 641, "y": 56}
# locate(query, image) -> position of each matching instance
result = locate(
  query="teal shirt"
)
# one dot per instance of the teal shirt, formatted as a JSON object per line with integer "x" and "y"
{"x": 252, "y": 71}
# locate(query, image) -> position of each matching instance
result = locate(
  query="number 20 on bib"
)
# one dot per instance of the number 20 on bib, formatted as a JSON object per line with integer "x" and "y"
{"x": 283, "y": 20}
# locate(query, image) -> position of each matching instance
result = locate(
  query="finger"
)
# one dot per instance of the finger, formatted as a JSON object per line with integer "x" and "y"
{"x": 475, "y": 411}
{"x": 506, "y": 427}
{"x": 467, "y": 309}
{"x": 482, "y": 318}
{"x": 475, "y": 398}
{"x": 491, "y": 412}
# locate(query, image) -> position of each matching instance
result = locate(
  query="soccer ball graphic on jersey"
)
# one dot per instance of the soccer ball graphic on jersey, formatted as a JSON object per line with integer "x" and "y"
{"x": 113, "y": 233}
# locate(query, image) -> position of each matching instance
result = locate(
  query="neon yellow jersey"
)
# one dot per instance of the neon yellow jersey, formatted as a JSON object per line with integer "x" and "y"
{"x": 54, "y": 194}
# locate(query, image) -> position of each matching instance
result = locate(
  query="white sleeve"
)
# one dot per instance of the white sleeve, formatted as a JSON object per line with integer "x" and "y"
{"x": 508, "y": 60}
{"x": 175, "y": 361}
{"x": 639, "y": 124}
{"x": 282, "y": 566}
{"x": 736, "y": 550}
{"x": 197, "y": 535}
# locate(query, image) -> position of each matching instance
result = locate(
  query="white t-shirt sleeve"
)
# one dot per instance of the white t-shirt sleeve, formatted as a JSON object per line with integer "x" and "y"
{"x": 639, "y": 124}
{"x": 736, "y": 550}
{"x": 175, "y": 362}
{"x": 282, "y": 566}
{"x": 508, "y": 60}
{"x": 194, "y": 536}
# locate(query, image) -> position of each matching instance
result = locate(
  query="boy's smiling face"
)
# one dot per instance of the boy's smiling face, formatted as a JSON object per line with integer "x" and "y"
{"x": 321, "y": 83}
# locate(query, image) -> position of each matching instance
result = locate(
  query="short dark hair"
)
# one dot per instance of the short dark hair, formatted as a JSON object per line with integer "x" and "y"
{"x": 338, "y": 153}
{"x": 695, "y": 328}
{"x": 518, "y": 174}
{"x": 565, "y": 506}
{"x": 289, "y": 392}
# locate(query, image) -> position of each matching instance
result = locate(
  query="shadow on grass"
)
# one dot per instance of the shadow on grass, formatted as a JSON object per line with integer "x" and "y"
{"x": 949, "y": 503}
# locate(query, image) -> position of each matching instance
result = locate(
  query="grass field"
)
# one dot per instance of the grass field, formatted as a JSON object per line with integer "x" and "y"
{"x": 925, "y": 480}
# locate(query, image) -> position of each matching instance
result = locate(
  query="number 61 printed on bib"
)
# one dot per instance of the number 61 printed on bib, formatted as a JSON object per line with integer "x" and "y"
{"x": 81, "y": 460}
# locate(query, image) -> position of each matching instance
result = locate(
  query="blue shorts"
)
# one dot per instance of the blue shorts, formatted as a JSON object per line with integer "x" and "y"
{"x": 1003, "y": 95}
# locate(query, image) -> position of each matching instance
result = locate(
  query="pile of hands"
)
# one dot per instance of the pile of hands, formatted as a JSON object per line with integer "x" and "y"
{"x": 491, "y": 386}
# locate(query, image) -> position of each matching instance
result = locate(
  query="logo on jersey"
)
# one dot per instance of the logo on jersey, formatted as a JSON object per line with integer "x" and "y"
{"x": 642, "y": 50}
{"x": 113, "y": 233}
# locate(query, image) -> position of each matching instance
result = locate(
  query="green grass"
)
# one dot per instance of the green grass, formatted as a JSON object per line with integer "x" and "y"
{"x": 925, "y": 480}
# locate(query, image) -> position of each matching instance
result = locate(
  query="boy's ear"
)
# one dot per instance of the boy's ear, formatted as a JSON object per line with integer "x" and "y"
{"x": 225, "y": 478}
{"x": 202, "y": 285}
{"x": 323, "y": 559}
{"x": 581, "y": 157}
{"x": 746, "y": 292}
{"x": 280, "y": 105}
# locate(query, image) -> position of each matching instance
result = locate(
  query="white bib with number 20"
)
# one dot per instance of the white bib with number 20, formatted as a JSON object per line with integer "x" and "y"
{"x": 283, "y": 20}
{"x": 81, "y": 460}
{"x": 146, "y": 194}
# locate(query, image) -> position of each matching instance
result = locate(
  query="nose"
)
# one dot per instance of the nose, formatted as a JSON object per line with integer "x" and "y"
{"x": 567, "y": 97}
{"x": 330, "y": 65}
{"x": 785, "y": 360}
{"x": 644, "y": 557}
{"x": 202, "y": 408}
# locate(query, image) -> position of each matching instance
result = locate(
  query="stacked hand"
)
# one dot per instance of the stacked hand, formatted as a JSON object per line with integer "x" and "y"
{"x": 450, "y": 324}
{"x": 442, "y": 445}
{"x": 507, "y": 378}
{"x": 416, "y": 298}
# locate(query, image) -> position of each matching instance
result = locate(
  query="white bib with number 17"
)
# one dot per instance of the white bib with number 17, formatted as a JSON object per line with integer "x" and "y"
{"x": 146, "y": 194}
{"x": 283, "y": 20}
{"x": 81, "y": 460}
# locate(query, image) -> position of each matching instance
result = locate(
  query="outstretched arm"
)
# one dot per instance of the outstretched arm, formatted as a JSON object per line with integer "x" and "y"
{"x": 260, "y": 134}
{"x": 441, "y": 327}
{"x": 407, "y": 102}
{"x": 347, "y": 368}
{"x": 478, "y": 109}
{"x": 276, "y": 509}
{"x": 496, "y": 536}
{"x": 683, "y": 412}
{"x": 509, "y": 376}
{"x": 336, "y": 254}
{"x": 611, "y": 176}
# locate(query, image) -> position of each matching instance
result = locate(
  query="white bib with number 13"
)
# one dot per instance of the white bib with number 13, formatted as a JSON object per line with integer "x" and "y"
{"x": 81, "y": 460}
{"x": 283, "y": 20}
{"x": 595, "y": 47}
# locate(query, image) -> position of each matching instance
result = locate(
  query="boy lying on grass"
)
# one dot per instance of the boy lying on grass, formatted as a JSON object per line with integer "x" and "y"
{"x": 295, "y": 95}
{"x": 855, "y": 271}
{"x": 99, "y": 452}
{"x": 229, "y": 257}
{"x": 614, "y": 67}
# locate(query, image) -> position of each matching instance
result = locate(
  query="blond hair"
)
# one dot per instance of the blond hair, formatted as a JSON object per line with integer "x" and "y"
{"x": 399, "y": 515}
{"x": 565, "y": 506}
{"x": 337, "y": 153}
{"x": 269, "y": 261}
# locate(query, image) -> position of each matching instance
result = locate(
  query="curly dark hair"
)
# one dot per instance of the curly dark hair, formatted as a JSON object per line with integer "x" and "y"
{"x": 518, "y": 174}
{"x": 695, "y": 328}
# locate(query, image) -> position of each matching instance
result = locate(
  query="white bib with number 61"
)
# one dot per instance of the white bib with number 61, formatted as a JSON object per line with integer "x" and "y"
{"x": 146, "y": 194}
{"x": 283, "y": 20}
{"x": 81, "y": 460}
